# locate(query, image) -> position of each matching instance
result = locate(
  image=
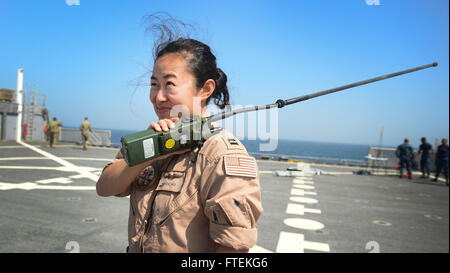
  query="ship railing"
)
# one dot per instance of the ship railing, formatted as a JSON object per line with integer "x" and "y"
{"x": 314, "y": 159}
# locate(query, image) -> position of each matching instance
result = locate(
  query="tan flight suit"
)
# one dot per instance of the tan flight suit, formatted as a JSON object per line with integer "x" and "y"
{"x": 191, "y": 202}
{"x": 86, "y": 130}
{"x": 54, "y": 127}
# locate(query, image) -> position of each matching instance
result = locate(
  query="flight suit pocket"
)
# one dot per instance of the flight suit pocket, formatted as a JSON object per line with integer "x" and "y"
{"x": 237, "y": 211}
{"x": 217, "y": 215}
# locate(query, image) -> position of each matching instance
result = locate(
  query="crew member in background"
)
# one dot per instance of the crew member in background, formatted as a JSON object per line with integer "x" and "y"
{"x": 54, "y": 127}
{"x": 405, "y": 154}
{"x": 425, "y": 150}
{"x": 86, "y": 130}
{"x": 47, "y": 132}
{"x": 442, "y": 160}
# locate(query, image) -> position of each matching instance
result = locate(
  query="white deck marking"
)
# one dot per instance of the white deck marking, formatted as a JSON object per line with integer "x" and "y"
{"x": 289, "y": 242}
{"x": 303, "y": 224}
{"x": 61, "y": 169}
{"x": 61, "y": 146}
{"x": 299, "y": 209}
{"x": 46, "y": 158}
{"x": 67, "y": 164}
{"x": 31, "y": 168}
{"x": 295, "y": 243}
{"x": 304, "y": 177}
{"x": 87, "y": 158}
{"x": 266, "y": 172}
{"x": 302, "y": 181}
{"x": 21, "y": 158}
{"x": 258, "y": 249}
{"x": 33, "y": 186}
{"x": 301, "y": 192}
{"x": 305, "y": 187}
{"x": 303, "y": 200}
{"x": 60, "y": 180}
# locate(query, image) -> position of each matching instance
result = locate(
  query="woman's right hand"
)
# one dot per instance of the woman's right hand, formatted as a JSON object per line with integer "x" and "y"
{"x": 164, "y": 124}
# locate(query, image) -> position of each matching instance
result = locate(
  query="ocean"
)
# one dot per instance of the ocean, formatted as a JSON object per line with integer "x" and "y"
{"x": 295, "y": 149}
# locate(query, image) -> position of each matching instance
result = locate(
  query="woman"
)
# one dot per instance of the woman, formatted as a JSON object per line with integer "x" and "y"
{"x": 202, "y": 200}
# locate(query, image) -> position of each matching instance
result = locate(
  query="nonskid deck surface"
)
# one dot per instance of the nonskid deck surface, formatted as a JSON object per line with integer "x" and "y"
{"x": 49, "y": 204}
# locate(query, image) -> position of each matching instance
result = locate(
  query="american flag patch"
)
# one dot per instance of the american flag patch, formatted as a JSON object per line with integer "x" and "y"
{"x": 240, "y": 165}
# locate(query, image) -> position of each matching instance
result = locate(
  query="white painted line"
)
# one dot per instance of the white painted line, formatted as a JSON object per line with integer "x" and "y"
{"x": 76, "y": 176}
{"x": 22, "y": 158}
{"x": 33, "y": 186}
{"x": 80, "y": 170}
{"x": 301, "y": 192}
{"x": 30, "y": 168}
{"x": 306, "y": 192}
{"x": 45, "y": 158}
{"x": 62, "y": 169}
{"x": 87, "y": 158}
{"x": 289, "y": 242}
{"x": 60, "y": 180}
{"x": 299, "y": 209}
{"x": 258, "y": 249}
{"x": 303, "y": 200}
{"x": 316, "y": 246}
{"x": 305, "y": 187}
{"x": 304, "y": 177}
{"x": 303, "y": 223}
{"x": 90, "y": 147}
{"x": 301, "y": 181}
{"x": 339, "y": 173}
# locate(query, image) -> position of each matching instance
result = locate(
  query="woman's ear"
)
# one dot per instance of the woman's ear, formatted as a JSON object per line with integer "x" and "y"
{"x": 207, "y": 89}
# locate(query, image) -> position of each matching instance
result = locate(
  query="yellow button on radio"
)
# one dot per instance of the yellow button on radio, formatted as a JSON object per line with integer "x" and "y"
{"x": 170, "y": 143}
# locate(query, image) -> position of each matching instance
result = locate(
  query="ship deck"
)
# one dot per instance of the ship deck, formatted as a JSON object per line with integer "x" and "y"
{"x": 48, "y": 201}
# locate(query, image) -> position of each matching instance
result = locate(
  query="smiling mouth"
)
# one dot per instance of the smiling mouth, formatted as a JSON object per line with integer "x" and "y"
{"x": 163, "y": 110}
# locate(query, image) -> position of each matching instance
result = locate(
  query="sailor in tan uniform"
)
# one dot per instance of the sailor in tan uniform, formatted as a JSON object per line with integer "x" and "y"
{"x": 86, "y": 129}
{"x": 54, "y": 128}
{"x": 205, "y": 199}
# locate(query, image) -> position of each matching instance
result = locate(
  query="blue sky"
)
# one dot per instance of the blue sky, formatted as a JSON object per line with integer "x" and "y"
{"x": 87, "y": 59}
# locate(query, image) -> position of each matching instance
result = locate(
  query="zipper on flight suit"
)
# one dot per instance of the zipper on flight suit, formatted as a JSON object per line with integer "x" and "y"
{"x": 147, "y": 221}
{"x": 160, "y": 223}
{"x": 191, "y": 161}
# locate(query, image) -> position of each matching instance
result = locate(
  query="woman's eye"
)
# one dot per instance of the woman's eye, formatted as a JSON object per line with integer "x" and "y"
{"x": 170, "y": 83}
{"x": 153, "y": 84}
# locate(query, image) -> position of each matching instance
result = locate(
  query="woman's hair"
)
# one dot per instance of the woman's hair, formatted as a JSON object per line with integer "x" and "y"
{"x": 201, "y": 62}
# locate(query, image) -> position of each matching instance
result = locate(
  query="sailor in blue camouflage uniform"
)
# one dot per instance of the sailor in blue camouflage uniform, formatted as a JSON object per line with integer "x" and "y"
{"x": 425, "y": 150}
{"x": 405, "y": 154}
{"x": 442, "y": 160}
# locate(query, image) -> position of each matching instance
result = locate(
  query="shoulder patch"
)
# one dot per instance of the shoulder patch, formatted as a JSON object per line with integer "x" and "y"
{"x": 233, "y": 143}
{"x": 240, "y": 165}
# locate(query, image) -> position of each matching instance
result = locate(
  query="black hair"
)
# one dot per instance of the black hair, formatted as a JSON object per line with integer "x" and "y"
{"x": 201, "y": 61}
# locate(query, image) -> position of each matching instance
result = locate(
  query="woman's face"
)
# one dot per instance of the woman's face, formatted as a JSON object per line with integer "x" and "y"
{"x": 172, "y": 84}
